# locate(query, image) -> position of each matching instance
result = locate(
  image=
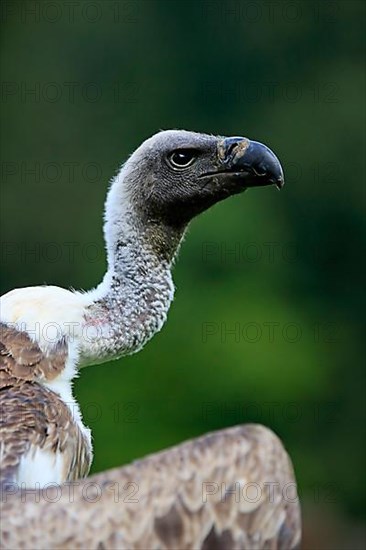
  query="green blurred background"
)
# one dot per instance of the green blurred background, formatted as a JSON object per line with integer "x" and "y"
{"x": 82, "y": 86}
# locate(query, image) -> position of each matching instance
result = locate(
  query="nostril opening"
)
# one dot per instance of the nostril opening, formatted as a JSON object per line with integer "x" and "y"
{"x": 231, "y": 148}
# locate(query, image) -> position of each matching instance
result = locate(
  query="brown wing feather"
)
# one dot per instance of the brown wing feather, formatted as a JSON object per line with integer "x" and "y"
{"x": 31, "y": 415}
{"x": 22, "y": 360}
{"x": 176, "y": 499}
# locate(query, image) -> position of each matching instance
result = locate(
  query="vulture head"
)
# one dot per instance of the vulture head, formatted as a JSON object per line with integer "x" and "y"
{"x": 176, "y": 174}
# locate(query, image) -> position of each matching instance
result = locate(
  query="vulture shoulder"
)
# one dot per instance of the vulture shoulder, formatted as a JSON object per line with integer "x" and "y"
{"x": 233, "y": 489}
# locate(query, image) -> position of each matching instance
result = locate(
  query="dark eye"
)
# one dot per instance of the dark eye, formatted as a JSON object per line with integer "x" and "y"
{"x": 182, "y": 158}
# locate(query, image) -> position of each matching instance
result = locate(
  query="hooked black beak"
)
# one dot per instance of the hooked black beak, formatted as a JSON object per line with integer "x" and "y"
{"x": 251, "y": 162}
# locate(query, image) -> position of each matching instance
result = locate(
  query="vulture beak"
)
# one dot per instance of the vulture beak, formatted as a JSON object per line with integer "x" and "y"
{"x": 251, "y": 162}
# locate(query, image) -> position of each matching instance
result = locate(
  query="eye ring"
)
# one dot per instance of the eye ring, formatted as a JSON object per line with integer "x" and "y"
{"x": 180, "y": 159}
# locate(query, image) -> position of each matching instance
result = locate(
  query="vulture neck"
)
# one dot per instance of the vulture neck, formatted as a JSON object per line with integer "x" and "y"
{"x": 131, "y": 303}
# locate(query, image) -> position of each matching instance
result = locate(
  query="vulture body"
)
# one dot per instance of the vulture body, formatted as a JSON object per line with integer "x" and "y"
{"x": 48, "y": 333}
